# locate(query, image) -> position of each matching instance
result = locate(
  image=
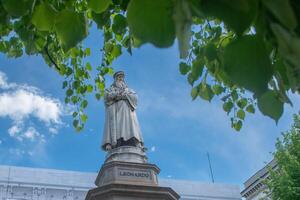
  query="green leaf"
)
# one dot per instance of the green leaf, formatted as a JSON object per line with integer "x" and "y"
{"x": 283, "y": 11}
{"x": 194, "y": 92}
{"x": 101, "y": 19}
{"x": 75, "y": 123}
{"x": 238, "y": 125}
{"x": 116, "y": 51}
{"x": 210, "y": 51}
{"x": 83, "y": 118}
{"x": 88, "y": 66}
{"x": 98, "y": 6}
{"x": 84, "y": 104}
{"x": 71, "y": 28}
{"x": 227, "y": 106}
{"x": 241, "y": 114}
{"x": 69, "y": 92}
{"x": 218, "y": 89}
{"x": 184, "y": 68}
{"x": 89, "y": 88}
{"x": 205, "y": 92}
{"x": 289, "y": 46}
{"x": 151, "y": 21}
{"x": 270, "y": 105}
{"x": 247, "y": 63}
{"x": 17, "y": 8}
{"x": 75, "y": 114}
{"x": 237, "y": 14}
{"x": 190, "y": 79}
{"x": 119, "y": 25}
{"x": 65, "y": 84}
{"x": 98, "y": 96}
{"x": 43, "y": 17}
{"x": 250, "y": 109}
{"x": 242, "y": 103}
{"x": 197, "y": 68}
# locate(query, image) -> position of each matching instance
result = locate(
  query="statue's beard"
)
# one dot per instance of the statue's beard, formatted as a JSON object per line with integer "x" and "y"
{"x": 120, "y": 84}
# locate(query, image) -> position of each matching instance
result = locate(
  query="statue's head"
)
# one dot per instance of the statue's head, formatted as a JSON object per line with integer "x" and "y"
{"x": 119, "y": 79}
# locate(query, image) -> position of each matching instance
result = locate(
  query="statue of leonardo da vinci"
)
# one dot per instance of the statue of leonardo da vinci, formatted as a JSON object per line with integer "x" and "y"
{"x": 121, "y": 125}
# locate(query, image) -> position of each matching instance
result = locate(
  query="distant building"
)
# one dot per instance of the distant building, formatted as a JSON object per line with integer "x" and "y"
{"x": 255, "y": 189}
{"x": 22, "y": 183}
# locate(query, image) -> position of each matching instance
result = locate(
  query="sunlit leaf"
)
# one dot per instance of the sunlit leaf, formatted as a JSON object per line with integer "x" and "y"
{"x": 44, "y": 17}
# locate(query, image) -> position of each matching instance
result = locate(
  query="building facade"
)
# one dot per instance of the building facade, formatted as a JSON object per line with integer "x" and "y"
{"x": 22, "y": 183}
{"x": 255, "y": 189}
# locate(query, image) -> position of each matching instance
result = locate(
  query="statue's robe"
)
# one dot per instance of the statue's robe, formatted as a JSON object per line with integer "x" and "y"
{"x": 120, "y": 118}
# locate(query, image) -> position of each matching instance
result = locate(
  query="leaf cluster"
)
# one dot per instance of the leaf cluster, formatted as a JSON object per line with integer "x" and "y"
{"x": 284, "y": 180}
{"x": 229, "y": 48}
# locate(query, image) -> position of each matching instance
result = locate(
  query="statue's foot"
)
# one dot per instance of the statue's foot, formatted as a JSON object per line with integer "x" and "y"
{"x": 108, "y": 147}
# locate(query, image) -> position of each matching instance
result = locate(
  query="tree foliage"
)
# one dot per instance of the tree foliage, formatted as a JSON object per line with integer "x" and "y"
{"x": 284, "y": 180}
{"x": 227, "y": 47}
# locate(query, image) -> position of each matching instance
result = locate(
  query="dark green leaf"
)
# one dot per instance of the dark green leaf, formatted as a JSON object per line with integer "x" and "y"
{"x": 241, "y": 114}
{"x": 75, "y": 114}
{"x": 44, "y": 17}
{"x": 84, "y": 103}
{"x": 242, "y": 103}
{"x": 247, "y": 63}
{"x": 69, "y": 92}
{"x": 227, "y": 106}
{"x": 218, "y": 89}
{"x": 283, "y": 11}
{"x": 119, "y": 24}
{"x": 184, "y": 68}
{"x": 238, "y": 125}
{"x": 197, "y": 68}
{"x": 75, "y": 123}
{"x": 71, "y": 28}
{"x": 151, "y": 21}
{"x": 237, "y": 14}
{"x": 65, "y": 84}
{"x": 210, "y": 51}
{"x": 98, "y": 6}
{"x": 101, "y": 19}
{"x": 270, "y": 105}
{"x": 17, "y": 8}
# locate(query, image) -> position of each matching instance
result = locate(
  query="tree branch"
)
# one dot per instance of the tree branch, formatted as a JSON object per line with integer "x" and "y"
{"x": 51, "y": 59}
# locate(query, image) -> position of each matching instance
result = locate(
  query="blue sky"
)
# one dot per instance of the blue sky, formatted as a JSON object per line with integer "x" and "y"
{"x": 36, "y": 129}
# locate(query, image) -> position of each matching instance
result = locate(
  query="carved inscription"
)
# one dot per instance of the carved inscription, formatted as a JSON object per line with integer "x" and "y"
{"x": 137, "y": 174}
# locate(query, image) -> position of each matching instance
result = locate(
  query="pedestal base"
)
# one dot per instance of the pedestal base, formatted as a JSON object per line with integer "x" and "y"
{"x": 131, "y": 192}
{"x": 126, "y": 175}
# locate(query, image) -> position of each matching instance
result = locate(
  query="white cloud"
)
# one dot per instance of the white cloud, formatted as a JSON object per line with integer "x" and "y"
{"x": 21, "y": 103}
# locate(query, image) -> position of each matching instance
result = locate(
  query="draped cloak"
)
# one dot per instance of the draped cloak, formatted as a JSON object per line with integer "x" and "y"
{"x": 120, "y": 117}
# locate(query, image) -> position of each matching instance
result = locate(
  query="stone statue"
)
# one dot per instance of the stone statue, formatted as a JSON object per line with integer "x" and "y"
{"x": 121, "y": 124}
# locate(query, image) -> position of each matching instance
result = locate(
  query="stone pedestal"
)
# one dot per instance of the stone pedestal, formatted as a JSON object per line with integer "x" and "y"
{"x": 126, "y": 175}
